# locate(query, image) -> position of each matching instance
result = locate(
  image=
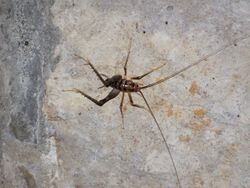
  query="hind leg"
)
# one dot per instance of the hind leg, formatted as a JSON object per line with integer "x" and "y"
{"x": 111, "y": 95}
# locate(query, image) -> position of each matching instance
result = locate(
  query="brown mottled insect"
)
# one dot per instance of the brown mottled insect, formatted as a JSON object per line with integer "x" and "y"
{"x": 122, "y": 84}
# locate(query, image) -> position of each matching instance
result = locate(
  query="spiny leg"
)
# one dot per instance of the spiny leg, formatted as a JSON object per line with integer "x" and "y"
{"x": 126, "y": 61}
{"x": 113, "y": 93}
{"x": 162, "y": 135}
{"x": 121, "y": 110}
{"x": 94, "y": 69}
{"x": 132, "y": 102}
{"x": 147, "y": 73}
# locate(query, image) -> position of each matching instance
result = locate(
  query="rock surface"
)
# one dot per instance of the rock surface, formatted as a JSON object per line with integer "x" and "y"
{"x": 51, "y": 138}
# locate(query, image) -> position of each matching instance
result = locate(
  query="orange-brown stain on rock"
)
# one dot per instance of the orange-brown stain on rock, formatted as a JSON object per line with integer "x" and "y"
{"x": 184, "y": 138}
{"x": 199, "y": 125}
{"x": 199, "y": 113}
{"x": 193, "y": 88}
{"x": 177, "y": 113}
{"x": 173, "y": 111}
{"x": 170, "y": 111}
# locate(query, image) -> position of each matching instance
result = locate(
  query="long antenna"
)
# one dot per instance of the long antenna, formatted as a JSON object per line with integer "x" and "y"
{"x": 162, "y": 135}
{"x": 195, "y": 63}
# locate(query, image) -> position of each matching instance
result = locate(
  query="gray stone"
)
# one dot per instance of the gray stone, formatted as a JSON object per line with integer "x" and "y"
{"x": 28, "y": 39}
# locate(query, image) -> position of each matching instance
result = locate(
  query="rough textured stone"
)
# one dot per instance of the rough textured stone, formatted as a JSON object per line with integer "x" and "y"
{"x": 28, "y": 39}
{"x": 61, "y": 139}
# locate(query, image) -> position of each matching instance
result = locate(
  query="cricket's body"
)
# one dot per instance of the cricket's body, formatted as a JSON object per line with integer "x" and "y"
{"x": 122, "y": 84}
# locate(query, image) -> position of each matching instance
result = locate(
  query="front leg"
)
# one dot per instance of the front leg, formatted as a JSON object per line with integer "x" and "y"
{"x": 94, "y": 69}
{"x": 113, "y": 93}
{"x": 126, "y": 61}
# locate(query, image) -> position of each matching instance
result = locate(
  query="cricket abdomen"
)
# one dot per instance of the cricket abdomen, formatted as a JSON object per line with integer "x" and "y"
{"x": 127, "y": 86}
